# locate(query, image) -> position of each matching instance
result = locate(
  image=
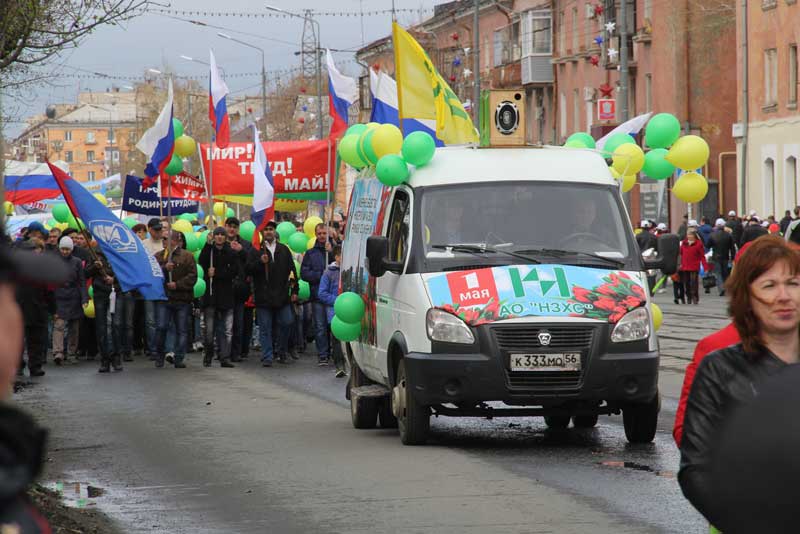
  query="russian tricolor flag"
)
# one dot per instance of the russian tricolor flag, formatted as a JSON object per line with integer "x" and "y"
{"x": 217, "y": 110}
{"x": 25, "y": 183}
{"x": 384, "y": 107}
{"x": 263, "y": 189}
{"x": 158, "y": 142}
{"x": 342, "y": 92}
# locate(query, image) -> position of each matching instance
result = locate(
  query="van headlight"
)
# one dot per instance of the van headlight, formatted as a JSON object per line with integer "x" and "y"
{"x": 448, "y": 328}
{"x": 635, "y": 325}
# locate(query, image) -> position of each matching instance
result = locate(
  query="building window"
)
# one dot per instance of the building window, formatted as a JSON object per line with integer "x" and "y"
{"x": 562, "y": 49}
{"x": 68, "y": 135}
{"x": 487, "y": 51}
{"x": 68, "y": 156}
{"x": 111, "y": 136}
{"x": 90, "y": 137}
{"x": 575, "y": 30}
{"x": 587, "y": 30}
{"x": 769, "y": 186}
{"x": 791, "y": 176}
{"x": 537, "y": 33}
{"x": 90, "y": 176}
{"x": 576, "y": 110}
{"x": 90, "y": 156}
{"x": 770, "y": 77}
{"x": 793, "y": 74}
{"x": 648, "y": 9}
{"x": 506, "y": 45}
{"x": 648, "y": 92}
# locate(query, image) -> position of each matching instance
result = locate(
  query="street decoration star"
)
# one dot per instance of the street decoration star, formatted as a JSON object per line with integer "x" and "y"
{"x": 610, "y": 27}
{"x": 467, "y": 73}
{"x": 599, "y": 40}
{"x": 612, "y": 53}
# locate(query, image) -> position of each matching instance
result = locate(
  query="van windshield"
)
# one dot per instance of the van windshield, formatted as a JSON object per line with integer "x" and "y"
{"x": 503, "y": 222}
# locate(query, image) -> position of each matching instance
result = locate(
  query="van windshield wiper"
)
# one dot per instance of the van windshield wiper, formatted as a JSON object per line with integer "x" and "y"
{"x": 481, "y": 249}
{"x": 560, "y": 253}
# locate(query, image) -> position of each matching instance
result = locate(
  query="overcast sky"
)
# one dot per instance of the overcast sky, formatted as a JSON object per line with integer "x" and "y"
{"x": 153, "y": 41}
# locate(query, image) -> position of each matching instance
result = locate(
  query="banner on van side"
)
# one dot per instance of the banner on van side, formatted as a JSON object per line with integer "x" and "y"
{"x": 492, "y": 294}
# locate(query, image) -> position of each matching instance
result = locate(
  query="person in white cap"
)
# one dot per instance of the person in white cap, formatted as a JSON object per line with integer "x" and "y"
{"x": 723, "y": 251}
{"x": 70, "y": 299}
{"x": 735, "y": 224}
{"x": 661, "y": 228}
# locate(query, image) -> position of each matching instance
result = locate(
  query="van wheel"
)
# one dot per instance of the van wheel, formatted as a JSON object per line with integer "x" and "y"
{"x": 363, "y": 410}
{"x": 413, "y": 419}
{"x": 385, "y": 416}
{"x": 641, "y": 420}
{"x": 584, "y": 421}
{"x": 556, "y": 422}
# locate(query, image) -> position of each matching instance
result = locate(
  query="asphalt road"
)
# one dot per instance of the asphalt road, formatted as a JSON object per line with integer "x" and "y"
{"x": 254, "y": 450}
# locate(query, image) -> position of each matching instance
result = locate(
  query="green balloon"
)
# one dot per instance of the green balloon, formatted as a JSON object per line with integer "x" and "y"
{"x": 91, "y": 291}
{"x": 285, "y": 231}
{"x": 418, "y": 148}
{"x": 196, "y": 256}
{"x": 230, "y": 213}
{"x": 246, "y": 230}
{"x": 583, "y": 138}
{"x": 345, "y": 331}
{"x": 615, "y": 141}
{"x": 662, "y": 131}
{"x": 188, "y": 217}
{"x": 177, "y": 128}
{"x": 575, "y": 144}
{"x": 655, "y": 166}
{"x": 130, "y": 222}
{"x": 348, "y": 150}
{"x": 298, "y": 242}
{"x": 349, "y": 307}
{"x": 366, "y": 146}
{"x": 192, "y": 243}
{"x": 72, "y": 222}
{"x": 355, "y": 129}
{"x": 391, "y": 170}
{"x": 175, "y": 165}
{"x": 61, "y": 213}
{"x": 303, "y": 290}
{"x": 51, "y": 223}
{"x": 199, "y": 288}
{"x": 201, "y": 274}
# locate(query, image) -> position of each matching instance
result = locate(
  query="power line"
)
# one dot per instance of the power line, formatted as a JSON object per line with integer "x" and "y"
{"x": 251, "y": 14}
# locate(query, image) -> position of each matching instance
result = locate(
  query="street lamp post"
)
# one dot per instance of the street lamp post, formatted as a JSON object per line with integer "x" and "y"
{"x": 319, "y": 66}
{"x": 263, "y": 79}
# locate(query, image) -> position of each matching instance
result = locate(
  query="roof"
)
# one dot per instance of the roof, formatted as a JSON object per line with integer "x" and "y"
{"x": 470, "y": 165}
{"x": 100, "y": 113}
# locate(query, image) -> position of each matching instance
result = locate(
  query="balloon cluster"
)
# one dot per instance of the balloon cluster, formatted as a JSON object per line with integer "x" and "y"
{"x": 382, "y": 145}
{"x": 185, "y": 146}
{"x": 348, "y": 311}
{"x": 668, "y": 151}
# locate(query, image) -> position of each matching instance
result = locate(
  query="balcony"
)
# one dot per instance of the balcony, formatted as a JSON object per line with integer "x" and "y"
{"x": 537, "y": 69}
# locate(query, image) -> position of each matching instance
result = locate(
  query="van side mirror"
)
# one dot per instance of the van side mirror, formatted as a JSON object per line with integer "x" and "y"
{"x": 378, "y": 257}
{"x": 667, "y": 260}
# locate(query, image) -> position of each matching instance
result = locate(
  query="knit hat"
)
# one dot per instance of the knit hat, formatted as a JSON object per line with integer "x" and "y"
{"x": 66, "y": 242}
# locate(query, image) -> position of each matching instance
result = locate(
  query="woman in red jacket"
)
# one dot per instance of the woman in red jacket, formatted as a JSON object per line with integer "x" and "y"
{"x": 693, "y": 254}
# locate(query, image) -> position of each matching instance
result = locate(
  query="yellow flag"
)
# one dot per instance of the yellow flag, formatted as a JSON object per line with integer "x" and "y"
{"x": 422, "y": 93}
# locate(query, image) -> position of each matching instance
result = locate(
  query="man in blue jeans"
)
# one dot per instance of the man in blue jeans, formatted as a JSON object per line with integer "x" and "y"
{"x": 314, "y": 264}
{"x": 180, "y": 275}
{"x": 272, "y": 268}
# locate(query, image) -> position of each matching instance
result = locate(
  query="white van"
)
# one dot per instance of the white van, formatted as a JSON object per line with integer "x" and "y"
{"x": 501, "y": 282}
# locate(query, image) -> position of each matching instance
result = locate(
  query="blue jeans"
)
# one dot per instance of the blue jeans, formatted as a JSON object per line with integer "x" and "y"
{"x": 266, "y": 318}
{"x": 321, "y": 329}
{"x": 721, "y": 273}
{"x": 219, "y": 322}
{"x": 178, "y": 314}
{"x": 150, "y": 328}
{"x": 169, "y": 344}
{"x": 105, "y": 345}
{"x": 123, "y": 323}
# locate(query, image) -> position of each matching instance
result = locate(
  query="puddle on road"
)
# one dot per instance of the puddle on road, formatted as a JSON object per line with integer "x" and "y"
{"x": 638, "y": 467}
{"x": 77, "y": 494}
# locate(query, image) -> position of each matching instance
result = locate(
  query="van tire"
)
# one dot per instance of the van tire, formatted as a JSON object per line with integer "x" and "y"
{"x": 641, "y": 420}
{"x": 363, "y": 410}
{"x": 584, "y": 421}
{"x": 414, "y": 419}
{"x": 556, "y": 422}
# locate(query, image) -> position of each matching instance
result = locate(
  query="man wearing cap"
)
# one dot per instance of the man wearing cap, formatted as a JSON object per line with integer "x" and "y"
{"x": 36, "y": 230}
{"x": 70, "y": 298}
{"x": 221, "y": 266}
{"x": 180, "y": 275}
{"x": 274, "y": 277}
{"x": 735, "y": 224}
{"x": 645, "y": 239}
{"x": 723, "y": 252}
{"x": 241, "y": 287}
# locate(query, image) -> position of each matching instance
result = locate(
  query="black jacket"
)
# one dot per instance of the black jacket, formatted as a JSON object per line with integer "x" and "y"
{"x": 725, "y": 379}
{"x": 272, "y": 282}
{"x": 35, "y": 301}
{"x": 241, "y": 288}
{"x": 227, "y": 268}
{"x": 751, "y": 232}
{"x": 721, "y": 242}
{"x": 646, "y": 240}
{"x": 101, "y": 289}
{"x": 71, "y": 296}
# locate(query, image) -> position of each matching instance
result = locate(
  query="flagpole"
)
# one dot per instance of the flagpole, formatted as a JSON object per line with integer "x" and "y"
{"x": 211, "y": 206}
{"x": 328, "y": 195}
{"x": 160, "y": 199}
{"x": 397, "y": 79}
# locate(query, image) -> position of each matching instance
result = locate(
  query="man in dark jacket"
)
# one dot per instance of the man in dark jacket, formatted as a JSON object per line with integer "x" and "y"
{"x": 221, "y": 266}
{"x": 241, "y": 288}
{"x": 735, "y": 224}
{"x": 180, "y": 275}
{"x": 704, "y": 231}
{"x": 786, "y": 221}
{"x": 752, "y": 231}
{"x": 645, "y": 239}
{"x": 314, "y": 264}
{"x": 34, "y": 301}
{"x": 70, "y": 298}
{"x": 274, "y": 278}
{"x": 103, "y": 283}
{"x": 723, "y": 253}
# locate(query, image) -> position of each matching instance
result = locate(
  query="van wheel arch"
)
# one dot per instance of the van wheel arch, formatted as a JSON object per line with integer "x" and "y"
{"x": 397, "y": 349}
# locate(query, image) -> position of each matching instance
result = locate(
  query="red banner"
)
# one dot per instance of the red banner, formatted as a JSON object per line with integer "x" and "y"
{"x": 184, "y": 185}
{"x": 300, "y": 169}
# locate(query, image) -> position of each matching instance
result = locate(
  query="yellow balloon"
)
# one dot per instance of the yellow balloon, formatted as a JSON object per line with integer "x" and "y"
{"x": 9, "y": 206}
{"x": 88, "y": 311}
{"x": 658, "y": 316}
{"x": 614, "y": 173}
{"x": 387, "y": 139}
{"x": 182, "y": 226}
{"x": 691, "y": 187}
{"x": 185, "y": 146}
{"x": 290, "y": 205}
{"x": 628, "y": 159}
{"x": 628, "y": 181}
{"x": 102, "y": 198}
{"x": 310, "y": 226}
{"x": 689, "y": 153}
{"x": 371, "y": 125}
{"x": 62, "y": 226}
{"x": 220, "y": 209}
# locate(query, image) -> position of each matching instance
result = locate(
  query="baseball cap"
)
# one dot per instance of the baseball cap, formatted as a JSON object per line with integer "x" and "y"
{"x": 752, "y": 213}
{"x": 271, "y": 224}
{"x": 232, "y": 221}
{"x": 731, "y": 213}
{"x": 692, "y": 222}
{"x": 36, "y": 226}
{"x": 662, "y": 226}
{"x": 645, "y": 223}
{"x": 719, "y": 222}
{"x": 219, "y": 231}
{"x": 155, "y": 223}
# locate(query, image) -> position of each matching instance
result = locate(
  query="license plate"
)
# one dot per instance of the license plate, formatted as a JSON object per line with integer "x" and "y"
{"x": 570, "y": 361}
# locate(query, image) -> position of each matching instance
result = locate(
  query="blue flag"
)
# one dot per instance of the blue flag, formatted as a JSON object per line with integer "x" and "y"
{"x": 133, "y": 266}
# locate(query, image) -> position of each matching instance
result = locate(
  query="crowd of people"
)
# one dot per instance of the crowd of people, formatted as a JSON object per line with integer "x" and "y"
{"x": 251, "y": 300}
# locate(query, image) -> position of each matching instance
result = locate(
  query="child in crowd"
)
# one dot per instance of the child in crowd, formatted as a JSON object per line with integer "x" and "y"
{"x": 328, "y": 291}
